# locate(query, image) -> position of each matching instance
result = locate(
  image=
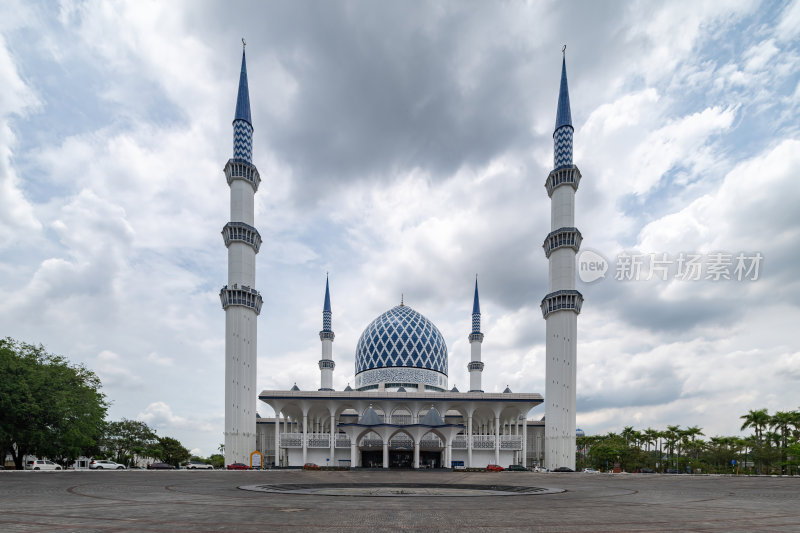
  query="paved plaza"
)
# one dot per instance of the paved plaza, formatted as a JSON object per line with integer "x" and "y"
{"x": 212, "y": 501}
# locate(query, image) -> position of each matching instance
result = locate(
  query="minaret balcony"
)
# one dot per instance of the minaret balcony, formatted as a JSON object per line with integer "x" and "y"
{"x": 326, "y": 335}
{"x": 475, "y": 337}
{"x": 569, "y": 175}
{"x": 241, "y": 232}
{"x": 564, "y": 300}
{"x": 562, "y": 238}
{"x": 475, "y": 365}
{"x": 241, "y": 295}
{"x": 240, "y": 169}
{"x": 326, "y": 363}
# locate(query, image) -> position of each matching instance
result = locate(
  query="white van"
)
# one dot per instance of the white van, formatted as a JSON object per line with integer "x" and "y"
{"x": 41, "y": 464}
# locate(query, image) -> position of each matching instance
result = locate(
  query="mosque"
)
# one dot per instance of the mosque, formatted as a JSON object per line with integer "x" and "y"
{"x": 401, "y": 412}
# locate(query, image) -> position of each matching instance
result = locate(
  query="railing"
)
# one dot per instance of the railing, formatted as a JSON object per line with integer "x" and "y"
{"x": 319, "y": 440}
{"x": 510, "y": 442}
{"x": 371, "y": 443}
{"x": 483, "y": 442}
{"x": 401, "y": 419}
{"x": 460, "y": 443}
{"x": 291, "y": 440}
{"x": 431, "y": 443}
{"x": 401, "y": 444}
{"x": 342, "y": 441}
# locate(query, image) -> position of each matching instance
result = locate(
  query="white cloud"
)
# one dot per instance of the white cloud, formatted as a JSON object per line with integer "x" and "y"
{"x": 160, "y": 416}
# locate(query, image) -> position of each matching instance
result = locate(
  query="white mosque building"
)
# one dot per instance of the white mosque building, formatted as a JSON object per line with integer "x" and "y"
{"x": 401, "y": 412}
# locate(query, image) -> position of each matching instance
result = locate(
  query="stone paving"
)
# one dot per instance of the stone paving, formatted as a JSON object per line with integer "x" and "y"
{"x": 211, "y": 501}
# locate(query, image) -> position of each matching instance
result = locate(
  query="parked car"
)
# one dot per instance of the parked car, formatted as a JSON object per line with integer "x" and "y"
{"x": 238, "y": 466}
{"x": 195, "y": 465}
{"x": 494, "y": 468}
{"x": 310, "y": 466}
{"x": 160, "y": 466}
{"x": 105, "y": 464}
{"x": 645, "y": 471}
{"x": 540, "y": 469}
{"x": 516, "y": 468}
{"x": 40, "y": 464}
{"x": 563, "y": 469}
{"x": 591, "y": 471}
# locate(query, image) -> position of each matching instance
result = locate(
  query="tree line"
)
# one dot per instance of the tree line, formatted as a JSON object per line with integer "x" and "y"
{"x": 52, "y": 408}
{"x": 772, "y": 448}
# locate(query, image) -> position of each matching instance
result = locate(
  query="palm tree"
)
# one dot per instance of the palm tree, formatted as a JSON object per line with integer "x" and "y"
{"x": 628, "y": 434}
{"x": 758, "y": 419}
{"x": 693, "y": 432}
{"x": 671, "y": 436}
{"x": 781, "y": 421}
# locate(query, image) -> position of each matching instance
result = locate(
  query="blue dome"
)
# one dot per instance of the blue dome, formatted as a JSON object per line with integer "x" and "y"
{"x": 401, "y": 337}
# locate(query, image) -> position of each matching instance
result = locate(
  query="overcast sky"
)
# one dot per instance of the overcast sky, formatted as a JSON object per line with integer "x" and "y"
{"x": 403, "y": 148}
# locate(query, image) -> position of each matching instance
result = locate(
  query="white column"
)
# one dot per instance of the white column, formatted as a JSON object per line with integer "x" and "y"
{"x": 416, "y": 454}
{"x": 448, "y": 456}
{"x": 385, "y": 454}
{"x": 333, "y": 432}
{"x": 353, "y": 454}
{"x": 305, "y": 438}
{"x": 469, "y": 441}
{"x": 525, "y": 442}
{"x": 497, "y": 439}
{"x": 277, "y": 436}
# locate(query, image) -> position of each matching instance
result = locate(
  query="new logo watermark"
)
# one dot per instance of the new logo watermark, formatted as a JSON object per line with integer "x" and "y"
{"x": 684, "y": 266}
{"x": 591, "y": 266}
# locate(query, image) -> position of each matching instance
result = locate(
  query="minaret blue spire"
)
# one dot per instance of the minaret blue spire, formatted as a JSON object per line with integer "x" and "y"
{"x": 326, "y": 308}
{"x": 242, "y": 125}
{"x": 243, "y": 99}
{"x": 476, "y": 310}
{"x": 562, "y": 134}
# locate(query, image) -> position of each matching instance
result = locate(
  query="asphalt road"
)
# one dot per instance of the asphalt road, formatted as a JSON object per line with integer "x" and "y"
{"x": 211, "y": 501}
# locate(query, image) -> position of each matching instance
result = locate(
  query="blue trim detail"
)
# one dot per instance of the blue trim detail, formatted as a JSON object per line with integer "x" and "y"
{"x": 243, "y": 98}
{"x": 563, "y": 115}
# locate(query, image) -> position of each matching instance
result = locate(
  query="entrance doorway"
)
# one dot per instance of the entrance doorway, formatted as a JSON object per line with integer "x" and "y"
{"x": 430, "y": 459}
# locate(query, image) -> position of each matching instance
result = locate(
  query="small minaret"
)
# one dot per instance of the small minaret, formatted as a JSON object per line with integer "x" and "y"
{"x": 562, "y": 304}
{"x": 475, "y": 365}
{"x": 239, "y": 298}
{"x": 326, "y": 364}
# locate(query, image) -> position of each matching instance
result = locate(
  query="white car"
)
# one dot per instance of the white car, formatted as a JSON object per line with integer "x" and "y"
{"x": 590, "y": 471}
{"x": 40, "y": 464}
{"x": 540, "y": 469}
{"x": 193, "y": 465}
{"x": 104, "y": 464}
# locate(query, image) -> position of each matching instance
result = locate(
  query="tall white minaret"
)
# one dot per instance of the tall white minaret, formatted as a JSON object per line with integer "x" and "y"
{"x": 475, "y": 366}
{"x": 562, "y": 304}
{"x": 240, "y": 300}
{"x": 326, "y": 364}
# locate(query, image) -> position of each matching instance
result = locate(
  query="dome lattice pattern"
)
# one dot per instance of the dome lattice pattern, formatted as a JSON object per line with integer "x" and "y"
{"x": 401, "y": 337}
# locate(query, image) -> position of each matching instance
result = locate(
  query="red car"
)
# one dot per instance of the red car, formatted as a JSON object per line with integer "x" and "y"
{"x": 310, "y": 466}
{"x": 494, "y": 468}
{"x": 238, "y": 466}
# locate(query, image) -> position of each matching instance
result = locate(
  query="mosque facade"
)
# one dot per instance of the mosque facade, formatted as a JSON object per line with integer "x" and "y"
{"x": 400, "y": 412}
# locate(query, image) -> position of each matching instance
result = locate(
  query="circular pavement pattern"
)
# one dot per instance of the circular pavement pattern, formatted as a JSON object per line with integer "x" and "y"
{"x": 400, "y": 489}
{"x": 204, "y": 501}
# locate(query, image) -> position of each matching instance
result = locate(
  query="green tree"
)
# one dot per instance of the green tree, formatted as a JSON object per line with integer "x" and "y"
{"x": 48, "y": 406}
{"x": 217, "y": 460}
{"x": 126, "y": 439}
{"x": 171, "y": 451}
{"x": 782, "y": 421}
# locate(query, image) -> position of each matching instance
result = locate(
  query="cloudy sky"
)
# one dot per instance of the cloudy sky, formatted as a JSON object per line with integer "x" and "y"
{"x": 403, "y": 148}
